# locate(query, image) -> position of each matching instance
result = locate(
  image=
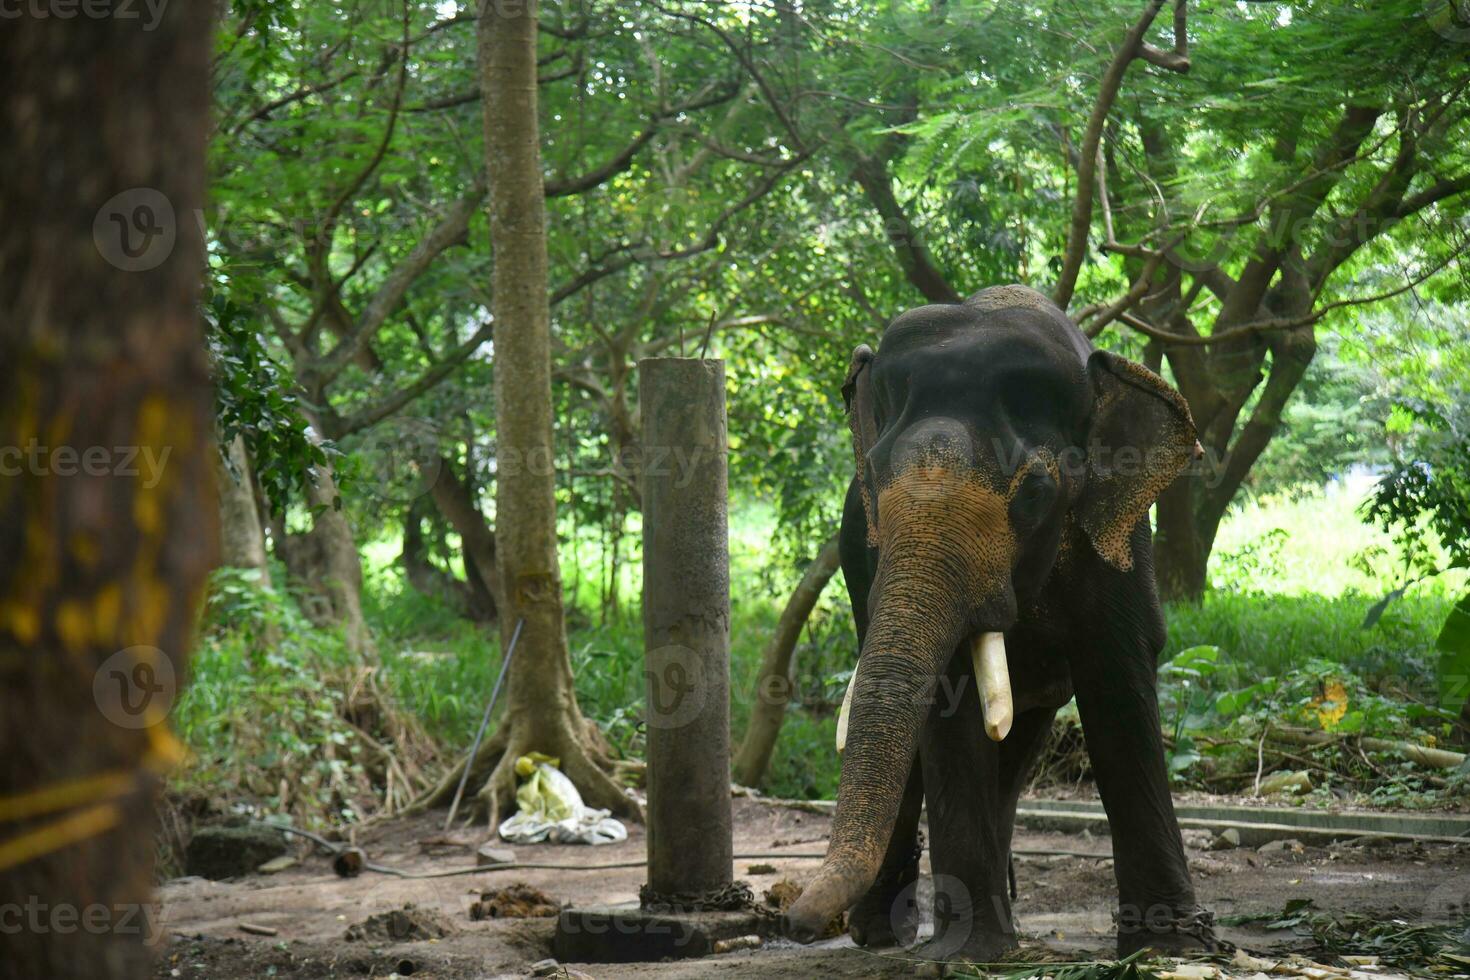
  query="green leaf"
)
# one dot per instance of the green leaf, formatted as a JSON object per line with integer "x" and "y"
{"x": 1375, "y": 612}
{"x": 1454, "y": 659}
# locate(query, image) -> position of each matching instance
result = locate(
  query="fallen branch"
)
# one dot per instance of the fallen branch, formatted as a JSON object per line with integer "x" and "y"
{"x": 1422, "y": 754}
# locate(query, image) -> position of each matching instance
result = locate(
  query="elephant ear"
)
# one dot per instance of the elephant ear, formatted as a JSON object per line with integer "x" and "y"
{"x": 1140, "y": 438}
{"x": 862, "y": 421}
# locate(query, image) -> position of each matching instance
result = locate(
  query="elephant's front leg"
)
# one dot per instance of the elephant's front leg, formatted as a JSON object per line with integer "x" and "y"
{"x": 1118, "y": 701}
{"x": 968, "y": 845}
{"x": 887, "y": 915}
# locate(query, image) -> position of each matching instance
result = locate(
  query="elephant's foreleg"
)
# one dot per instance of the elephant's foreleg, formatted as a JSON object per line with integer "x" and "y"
{"x": 968, "y": 849}
{"x": 887, "y": 915}
{"x": 1118, "y": 702}
{"x": 1018, "y": 754}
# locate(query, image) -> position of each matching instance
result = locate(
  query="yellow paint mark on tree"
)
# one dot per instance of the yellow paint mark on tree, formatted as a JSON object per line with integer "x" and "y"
{"x": 107, "y": 611}
{"x": 148, "y": 610}
{"x": 84, "y": 549}
{"x": 22, "y": 620}
{"x": 152, "y": 430}
{"x": 73, "y": 625}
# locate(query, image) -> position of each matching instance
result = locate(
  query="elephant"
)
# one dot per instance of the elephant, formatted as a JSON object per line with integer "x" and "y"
{"x": 996, "y": 546}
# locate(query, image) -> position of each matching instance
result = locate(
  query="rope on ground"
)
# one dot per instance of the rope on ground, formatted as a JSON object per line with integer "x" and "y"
{"x": 612, "y": 865}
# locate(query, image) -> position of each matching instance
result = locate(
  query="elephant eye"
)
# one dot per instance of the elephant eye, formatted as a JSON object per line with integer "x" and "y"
{"x": 1033, "y": 498}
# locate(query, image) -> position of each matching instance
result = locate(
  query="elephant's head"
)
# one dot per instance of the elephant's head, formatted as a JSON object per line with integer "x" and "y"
{"x": 989, "y": 437}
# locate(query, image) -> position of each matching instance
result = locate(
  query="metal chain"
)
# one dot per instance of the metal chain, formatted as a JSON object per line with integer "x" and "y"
{"x": 1197, "y": 922}
{"x": 729, "y": 898}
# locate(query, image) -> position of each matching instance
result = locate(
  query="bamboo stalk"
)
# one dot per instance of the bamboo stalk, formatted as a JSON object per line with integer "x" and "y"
{"x": 1422, "y": 754}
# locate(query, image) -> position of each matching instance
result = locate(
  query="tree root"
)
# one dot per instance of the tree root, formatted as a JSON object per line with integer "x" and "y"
{"x": 584, "y": 755}
{"x": 581, "y": 760}
{"x": 442, "y": 791}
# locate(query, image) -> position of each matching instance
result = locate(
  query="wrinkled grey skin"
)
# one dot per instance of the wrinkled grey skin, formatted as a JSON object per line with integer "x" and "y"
{"x": 1004, "y": 474}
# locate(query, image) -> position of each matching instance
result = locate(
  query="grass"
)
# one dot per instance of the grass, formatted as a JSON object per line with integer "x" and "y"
{"x": 1291, "y": 586}
{"x": 442, "y": 668}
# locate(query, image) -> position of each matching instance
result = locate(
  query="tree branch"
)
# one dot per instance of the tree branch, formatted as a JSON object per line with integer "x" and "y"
{"x": 1282, "y": 323}
{"x": 623, "y": 256}
{"x": 913, "y": 255}
{"x": 595, "y": 178}
{"x": 1107, "y": 94}
{"x": 374, "y": 414}
{"x": 450, "y": 230}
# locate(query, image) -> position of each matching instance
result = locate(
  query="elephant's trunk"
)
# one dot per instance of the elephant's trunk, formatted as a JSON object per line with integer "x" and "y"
{"x": 943, "y": 573}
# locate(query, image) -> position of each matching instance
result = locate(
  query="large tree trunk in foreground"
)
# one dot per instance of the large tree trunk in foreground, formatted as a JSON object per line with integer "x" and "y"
{"x": 542, "y": 712}
{"x": 774, "y": 683}
{"x": 109, "y": 528}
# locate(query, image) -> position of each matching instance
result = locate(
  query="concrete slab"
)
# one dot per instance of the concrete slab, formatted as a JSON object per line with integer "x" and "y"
{"x": 1258, "y": 825}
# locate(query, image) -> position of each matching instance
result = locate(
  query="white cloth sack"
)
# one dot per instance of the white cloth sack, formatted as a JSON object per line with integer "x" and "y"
{"x": 551, "y": 809}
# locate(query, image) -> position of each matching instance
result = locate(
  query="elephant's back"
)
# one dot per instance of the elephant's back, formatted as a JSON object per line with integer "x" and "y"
{"x": 1012, "y": 312}
{"x": 1022, "y": 305}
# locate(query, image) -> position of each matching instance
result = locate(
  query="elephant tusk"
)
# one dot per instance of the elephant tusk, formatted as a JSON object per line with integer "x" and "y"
{"x": 993, "y": 676}
{"x": 842, "y": 715}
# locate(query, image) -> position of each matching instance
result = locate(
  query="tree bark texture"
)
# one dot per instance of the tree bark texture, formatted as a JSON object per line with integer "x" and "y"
{"x": 325, "y": 560}
{"x": 242, "y": 539}
{"x": 541, "y": 704}
{"x": 686, "y": 623}
{"x": 104, "y": 554}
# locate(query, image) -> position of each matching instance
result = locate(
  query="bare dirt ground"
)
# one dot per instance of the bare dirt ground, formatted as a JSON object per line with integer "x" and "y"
{"x": 1064, "y": 907}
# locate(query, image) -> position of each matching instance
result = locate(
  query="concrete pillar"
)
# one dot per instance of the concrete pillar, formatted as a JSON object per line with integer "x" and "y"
{"x": 686, "y": 623}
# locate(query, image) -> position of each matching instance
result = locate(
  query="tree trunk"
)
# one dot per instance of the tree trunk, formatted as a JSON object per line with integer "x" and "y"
{"x": 325, "y": 561}
{"x": 773, "y": 684}
{"x": 467, "y": 598}
{"x": 109, "y": 526}
{"x": 1190, "y": 511}
{"x": 456, "y": 501}
{"x": 242, "y": 539}
{"x": 1181, "y": 547}
{"x": 541, "y": 710}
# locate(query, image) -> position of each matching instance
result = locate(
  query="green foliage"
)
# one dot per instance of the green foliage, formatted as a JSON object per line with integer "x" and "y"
{"x": 1183, "y": 677}
{"x": 1244, "y": 658}
{"x": 1302, "y": 663}
{"x": 260, "y": 659}
{"x": 1424, "y": 500}
{"x": 1429, "y": 948}
{"x": 1132, "y": 967}
{"x": 255, "y": 398}
{"x": 439, "y": 666}
{"x": 1453, "y": 645}
{"x": 339, "y": 153}
{"x": 1334, "y": 422}
{"x": 1426, "y": 495}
